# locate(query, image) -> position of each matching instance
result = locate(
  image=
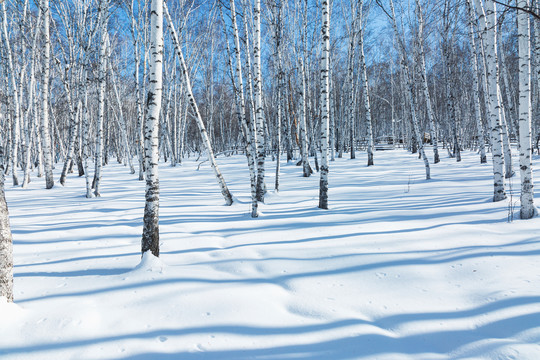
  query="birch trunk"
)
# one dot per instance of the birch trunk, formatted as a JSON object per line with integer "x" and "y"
{"x": 325, "y": 104}
{"x": 528, "y": 209}
{"x": 30, "y": 115}
{"x": 14, "y": 97}
{"x": 102, "y": 82}
{"x": 306, "y": 168}
{"x": 476, "y": 87}
{"x": 424, "y": 83}
{"x": 45, "y": 137}
{"x": 351, "y": 109}
{"x": 150, "y": 236}
{"x": 6, "y": 241}
{"x": 409, "y": 92}
{"x": 259, "y": 110}
{"x": 86, "y": 135}
{"x": 251, "y": 149}
{"x": 122, "y": 121}
{"x": 365, "y": 88}
{"x": 191, "y": 99}
{"x": 488, "y": 26}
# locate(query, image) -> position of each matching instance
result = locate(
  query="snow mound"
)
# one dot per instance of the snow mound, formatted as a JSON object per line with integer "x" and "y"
{"x": 150, "y": 263}
{"x": 9, "y": 311}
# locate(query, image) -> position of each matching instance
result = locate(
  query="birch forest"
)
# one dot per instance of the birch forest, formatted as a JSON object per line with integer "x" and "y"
{"x": 283, "y": 157}
{"x": 89, "y": 82}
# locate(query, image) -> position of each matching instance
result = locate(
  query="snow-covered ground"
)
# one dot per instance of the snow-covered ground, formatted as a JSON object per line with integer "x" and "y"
{"x": 398, "y": 268}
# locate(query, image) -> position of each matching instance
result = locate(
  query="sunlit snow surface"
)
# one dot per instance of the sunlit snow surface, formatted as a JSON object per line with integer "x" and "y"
{"x": 398, "y": 268}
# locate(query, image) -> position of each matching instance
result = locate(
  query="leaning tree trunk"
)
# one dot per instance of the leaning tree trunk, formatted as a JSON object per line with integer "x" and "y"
{"x": 325, "y": 104}
{"x": 150, "y": 236}
{"x": 202, "y": 130}
{"x": 527, "y": 210}
{"x": 410, "y": 91}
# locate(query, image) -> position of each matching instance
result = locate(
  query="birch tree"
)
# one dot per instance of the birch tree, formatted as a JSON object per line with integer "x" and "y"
{"x": 259, "y": 110}
{"x": 365, "y": 87}
{"x": 476, "y": 84}
{"x": 423, "y": 81}
{"x": 13, "y": 95}
{"x": 409, "y": 92}
{"x": 488, "y": 27}
{"x": 102, "y": 83}
{"x": 45, "y": 133}
{"x": 528, "y": 209}
{"x": 325, "y": 104}
{"x": 6, "y": 242}
{"x": 191, "y": 99}
{"x": 150, "y": 236}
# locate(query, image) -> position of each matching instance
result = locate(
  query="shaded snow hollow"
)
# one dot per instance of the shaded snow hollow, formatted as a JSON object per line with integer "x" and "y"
{"x": 397, "y": 268}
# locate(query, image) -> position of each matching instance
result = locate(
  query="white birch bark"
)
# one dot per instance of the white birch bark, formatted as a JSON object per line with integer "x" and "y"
{"x": 351, "y": 108}
{"x": 6, "y": 241}
{"x": 191, "y": 99}
{"x": 14, "y": 97}
{"x": 306, "y": 168}
{"x": 86, "y": 134}
{"x": 365, "y": 88}
{"x": 45, "y": 133}
{"x": 259, "y": 110}
{"x": 325, "y": 104}
{"x": 29, "y": 117}
{"x": 488, "y": 28}
{"x": 150, "y": 236}
{"x": 251, "y": 150}
{"x": 122, "y": 121}
{"x": 476, "y": 86}
{"x": 409, "y": 92}
{"x": 424, "y": 83}
{"x": 528, "y": 209}
{"x": 102, "y": 82}
{"x": 136, "y": 57}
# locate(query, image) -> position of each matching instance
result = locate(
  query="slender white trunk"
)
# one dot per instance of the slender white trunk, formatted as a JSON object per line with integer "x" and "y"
{"x": 325, "y": 104}
{"x": 102, "y": 82}
{"x": 424, "y": 83}
{"x": 45, "y": 137}
{"x": 251, "y": 150}
{"x": 527, "y": 210}
{"x": 306, "y": 168}
{"x": 86, "y": 134}
{"x": 150, "y": 236}
{"x": 202, "y": 130}
{"x": 122, "y": 121}
{"x": 29, "y": 123}
{"x": 409, "y": 92}
{"x": 476, "y": 87}
{"x": 365, "y": 88}
{"x": 259, "y": 110}
{"x": 14, "y": 97}
{"x": 488, "y": 28}
{"x": 6, "y": 241}
{"x": 351, "y": 108}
